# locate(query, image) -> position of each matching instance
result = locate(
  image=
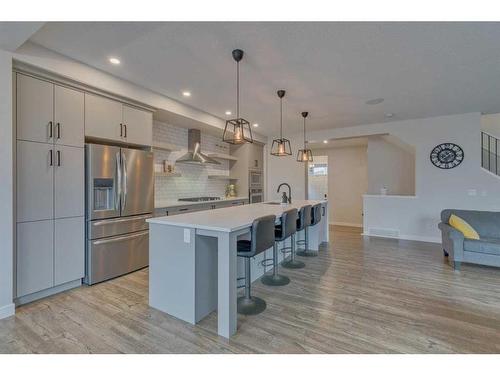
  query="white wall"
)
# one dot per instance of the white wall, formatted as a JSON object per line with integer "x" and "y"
{"x": 6, "y": 187}
{"x": 285, "y": 169}
{"x": 468, "y": 186}
{"x": 491, "y": 124}
{"x": 347, "y": 183}
{"x": 390, "y": 165}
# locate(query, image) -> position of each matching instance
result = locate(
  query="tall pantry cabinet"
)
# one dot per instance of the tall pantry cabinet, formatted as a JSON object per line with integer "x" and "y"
{"x": 49, "y": 186}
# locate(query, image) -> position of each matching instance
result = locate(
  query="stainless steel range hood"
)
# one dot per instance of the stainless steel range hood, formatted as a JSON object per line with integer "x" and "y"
{"x": 194, "y": 154}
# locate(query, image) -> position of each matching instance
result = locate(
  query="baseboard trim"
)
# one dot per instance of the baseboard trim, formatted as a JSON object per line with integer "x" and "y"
{"x": 48, "y": 292}
{"x": 7, "y": 310}
{"x": 346, "y": 224}
{"x": 406, "y": 237}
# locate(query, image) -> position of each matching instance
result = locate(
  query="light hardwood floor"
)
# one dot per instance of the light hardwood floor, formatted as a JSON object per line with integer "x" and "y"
{"x": 360, "y": 296}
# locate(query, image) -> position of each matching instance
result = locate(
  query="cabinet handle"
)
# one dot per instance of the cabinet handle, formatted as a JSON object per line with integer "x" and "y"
{"x": 50, "y": 129}
{"x": 51, "y": 159}
{"x": 183, "y": 209}
{"x": 121, "y": 130}
{"x": 58, "y": 130}
{"x": 58, "y": 158}
{"x": 125, "y": 126}
{"x": 323, "y": 210}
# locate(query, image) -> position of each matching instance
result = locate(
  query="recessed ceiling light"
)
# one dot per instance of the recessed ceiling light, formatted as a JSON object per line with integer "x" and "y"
{"x": 228, "y": 113}
{"x": 255, "y": 125}
{"x": 389, "y": 115}
{"x": 114, "y": 61}
{"x": 186, "y": 93}
{"x": 325, "y": 141}
{"x": 374, "y": 101}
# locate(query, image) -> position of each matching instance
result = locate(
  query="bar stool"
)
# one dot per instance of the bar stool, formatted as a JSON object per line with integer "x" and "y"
{"x": 287, "y": 227}
{"x": 315, "y": 219}
{"x": 304, "y": 216}
{"x": 262, "y": 238}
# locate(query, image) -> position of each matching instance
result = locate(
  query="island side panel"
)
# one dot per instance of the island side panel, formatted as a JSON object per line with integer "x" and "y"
{"x": 206, "y": 275}
{"x": 227, "y": 287}
{"x": 172, "y": 271}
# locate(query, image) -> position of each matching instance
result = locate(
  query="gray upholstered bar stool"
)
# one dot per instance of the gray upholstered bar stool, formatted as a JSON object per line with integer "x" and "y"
{"x": 287, "y": 227}
{"x": 303, "y": 221}
{"x": 315, "y": 219}
{"x": 262, "y": 238}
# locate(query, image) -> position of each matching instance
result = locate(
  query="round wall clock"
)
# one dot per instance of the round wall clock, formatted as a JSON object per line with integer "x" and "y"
{"x": 447, "y": 155}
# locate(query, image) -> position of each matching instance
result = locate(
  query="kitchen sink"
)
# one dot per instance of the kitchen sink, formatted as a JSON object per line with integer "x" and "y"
{"x": 273, "y": 203}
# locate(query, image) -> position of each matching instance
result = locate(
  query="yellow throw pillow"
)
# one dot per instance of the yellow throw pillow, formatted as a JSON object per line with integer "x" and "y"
{"x": 464, "y": 227}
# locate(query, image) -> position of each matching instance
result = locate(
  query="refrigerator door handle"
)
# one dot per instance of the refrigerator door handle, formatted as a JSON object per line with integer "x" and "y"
{"x": 118, "y": 181}
{"x": 125, "y": 180}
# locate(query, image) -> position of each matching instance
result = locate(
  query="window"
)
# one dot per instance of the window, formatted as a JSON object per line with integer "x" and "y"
{"x": 318, "y": 169}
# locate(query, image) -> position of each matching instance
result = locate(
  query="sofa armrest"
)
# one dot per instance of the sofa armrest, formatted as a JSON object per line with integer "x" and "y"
{"x": 452, "y": 241}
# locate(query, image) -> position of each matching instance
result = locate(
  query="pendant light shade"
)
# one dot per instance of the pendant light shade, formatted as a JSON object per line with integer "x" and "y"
{"x": 237, "y": 130}
{"x": 305, "y": 155}
{"x": 281, "y": 146}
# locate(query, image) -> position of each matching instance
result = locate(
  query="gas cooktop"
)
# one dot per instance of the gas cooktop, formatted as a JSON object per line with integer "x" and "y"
{"x": 199, "y": 199}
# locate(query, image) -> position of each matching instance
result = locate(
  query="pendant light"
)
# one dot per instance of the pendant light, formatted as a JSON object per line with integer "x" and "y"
{"x": 305, "y": 155}
{"x": 281, "y": 146}
{"x": 238, "y": 130}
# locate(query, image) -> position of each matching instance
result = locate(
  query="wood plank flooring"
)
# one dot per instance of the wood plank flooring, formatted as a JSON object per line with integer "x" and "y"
{"x": 362, "y": 295}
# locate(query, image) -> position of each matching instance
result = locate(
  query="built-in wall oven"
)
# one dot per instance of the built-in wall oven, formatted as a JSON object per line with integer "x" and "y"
{"x": 256, "y": 196}
{"x": 256, "y": 186}
{"x": 255, "y": 180}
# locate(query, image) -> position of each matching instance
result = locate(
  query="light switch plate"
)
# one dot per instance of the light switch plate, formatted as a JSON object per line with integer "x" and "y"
{"x": 472, "y": 192}
{"x": 187, "y": 236}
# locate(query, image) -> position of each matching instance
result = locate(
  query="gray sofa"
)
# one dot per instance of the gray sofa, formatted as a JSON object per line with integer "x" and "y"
{"x": 484, "y": 251}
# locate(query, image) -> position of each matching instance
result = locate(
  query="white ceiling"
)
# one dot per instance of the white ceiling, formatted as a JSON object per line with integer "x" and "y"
{"x": 14, "y": 34}
{"x": 329, "y": 69}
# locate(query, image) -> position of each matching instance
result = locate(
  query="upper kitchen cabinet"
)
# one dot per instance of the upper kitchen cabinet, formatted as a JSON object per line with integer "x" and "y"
{"x": 255, "y": 156}
{"x": 68, "y": 116}
{"x": 103, "y": 118}
{"x": 111, "y": 120}
{"x": 35, "y": 109}
{"x": 138, "y": 126}
{"x": 49, "y": 113}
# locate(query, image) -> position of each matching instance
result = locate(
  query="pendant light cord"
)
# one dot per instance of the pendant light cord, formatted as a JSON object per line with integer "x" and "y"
{"x": 281, "y": 118}
{"x": 238, "y": 89}
{"x": 304, "y": 133}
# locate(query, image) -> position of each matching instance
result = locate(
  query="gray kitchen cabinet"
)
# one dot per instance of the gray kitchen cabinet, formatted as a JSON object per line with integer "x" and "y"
{"x": 35, "y": 263}
{"x": 35, "y": 181}
{"x": 138, "y": 126}
{"x": 49, "y": 186}
{"x": 255, "y": 156}
{"x": 35, "y": 109}
{"x": 69, "y": 251}
{"x": 111, "y": 120}
{"x": 69, "y": 181}
{"x": 103, "y": 118}
{"x": 69, "y": 108}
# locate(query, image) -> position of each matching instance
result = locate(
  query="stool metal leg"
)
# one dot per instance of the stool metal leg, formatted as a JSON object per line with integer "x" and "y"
{"x": 249, "y": 305}
{"x": 306, "y": 252}
{"x": 292, "y": 262}
{"x": 275, "y": 279}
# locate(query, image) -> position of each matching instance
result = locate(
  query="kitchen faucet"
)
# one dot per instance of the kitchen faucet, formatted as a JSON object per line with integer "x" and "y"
{"x": 286, "y": 199}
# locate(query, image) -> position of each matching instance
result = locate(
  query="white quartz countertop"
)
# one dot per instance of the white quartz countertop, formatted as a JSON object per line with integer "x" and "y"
{"x": 166, "y": 203}
{"x": 229, "y": 219}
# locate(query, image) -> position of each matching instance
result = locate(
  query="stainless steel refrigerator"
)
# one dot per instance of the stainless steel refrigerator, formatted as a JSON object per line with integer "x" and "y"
{"x": 119, "y": 198}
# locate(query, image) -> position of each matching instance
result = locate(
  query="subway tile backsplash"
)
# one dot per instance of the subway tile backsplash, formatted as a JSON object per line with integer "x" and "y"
{"x": 194, "y": 180}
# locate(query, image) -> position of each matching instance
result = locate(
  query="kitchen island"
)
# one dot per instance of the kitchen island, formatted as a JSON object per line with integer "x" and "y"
{"x": 193, "y": 264}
